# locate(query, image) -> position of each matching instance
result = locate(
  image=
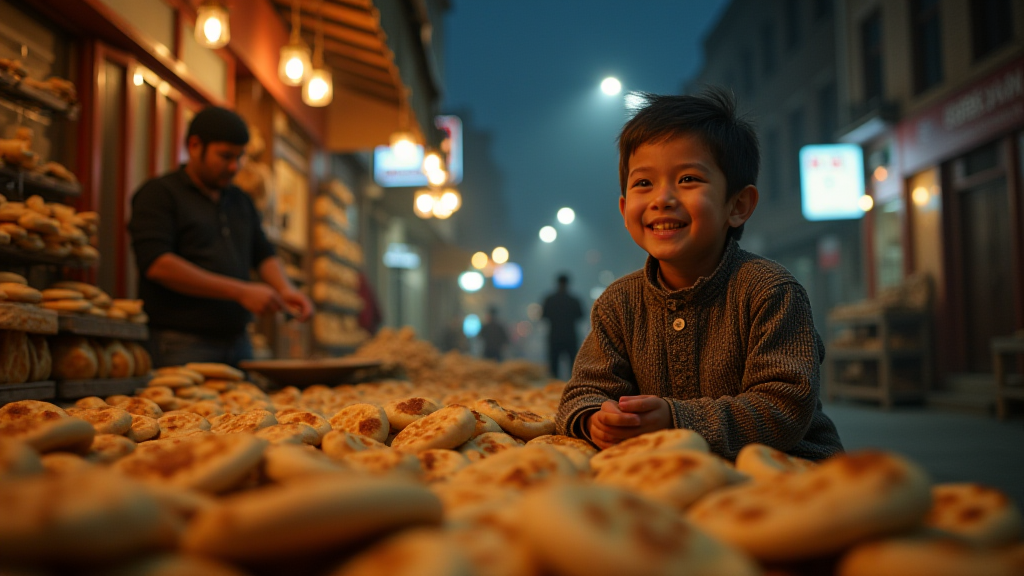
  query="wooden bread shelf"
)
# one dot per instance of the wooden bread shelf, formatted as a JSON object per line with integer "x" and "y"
{"x": 87, "y": 325}
{"x": 102, "y": 387}
{"x": 8, "y": 252}
{"x": 27, "y": 318}
{"x": 43, "y": 390}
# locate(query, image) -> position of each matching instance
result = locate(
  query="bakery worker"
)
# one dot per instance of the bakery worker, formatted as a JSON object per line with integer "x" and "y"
{"x": 197, "y": 239}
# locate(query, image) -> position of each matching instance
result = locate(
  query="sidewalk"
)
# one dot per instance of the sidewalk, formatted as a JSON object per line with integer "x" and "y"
{"x": 951, "y": 446}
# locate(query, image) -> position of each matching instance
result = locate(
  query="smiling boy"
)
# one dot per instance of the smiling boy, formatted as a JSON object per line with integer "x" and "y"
{"x": 706, "y": 336}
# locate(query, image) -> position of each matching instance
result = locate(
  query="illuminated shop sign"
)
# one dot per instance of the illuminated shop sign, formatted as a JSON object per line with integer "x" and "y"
{"x": 832, "y": 181}
{"x": 390, "y": 172}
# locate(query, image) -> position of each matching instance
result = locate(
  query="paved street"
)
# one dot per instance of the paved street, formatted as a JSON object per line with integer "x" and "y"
{"x": 952, "y": 446}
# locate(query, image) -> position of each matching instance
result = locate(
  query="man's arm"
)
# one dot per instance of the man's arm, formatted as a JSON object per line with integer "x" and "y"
{"x": 180, "y": 275}
{"x": 271, "y": 271}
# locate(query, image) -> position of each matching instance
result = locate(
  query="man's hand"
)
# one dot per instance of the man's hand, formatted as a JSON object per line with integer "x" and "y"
{"x": 297, "y": 304}
{"x": 260, "y": 298}
{"x": 610, "y": 425}
{"x": 652, "y": 410}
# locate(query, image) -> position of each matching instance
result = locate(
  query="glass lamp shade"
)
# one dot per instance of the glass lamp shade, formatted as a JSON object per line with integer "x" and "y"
{"x": 293, "y": 65}
{"x": 212, "y": 29}
{"x": 318, "y": 89}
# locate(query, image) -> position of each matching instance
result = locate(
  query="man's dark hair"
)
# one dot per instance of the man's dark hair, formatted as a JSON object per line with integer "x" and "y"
{"x": 563, "y": 279}
{"x": 711, "y": 118}
{"x": 215, "y": 124}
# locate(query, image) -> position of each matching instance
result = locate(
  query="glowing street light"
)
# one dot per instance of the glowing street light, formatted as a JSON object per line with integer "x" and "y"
{"x": 471, "y": 281}
{"x": 479, "y": 260}
{"x": 566, "y": 215}
{"x": 499, "y": 255}
{"x": 866, "y": 203}
{"x": 548, "y": 234}
{"x": 611, "y": 86}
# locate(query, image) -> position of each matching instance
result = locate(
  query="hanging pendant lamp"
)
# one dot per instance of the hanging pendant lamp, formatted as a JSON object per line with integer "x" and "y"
{"x": 293, "y": 65}
{"x": 318, "y": 90}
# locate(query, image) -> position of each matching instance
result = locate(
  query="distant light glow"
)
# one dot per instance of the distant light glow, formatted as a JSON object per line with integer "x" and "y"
{"x": 479, "y": 260}
{"x": 524, "y": 328}
{"x": 596, "y": 292}
{"x": 548, "y": 234}
{"x": 920, "y": 196}
{"x": 566, "y": 215}
{"x": 611, "y": 86}
{"x": 881, "y": 173}
{"x": 424, "y": 204}
{"x": 866, "y": 203}
{"x": 471, "y": 325}
{"x": 535, "y": 312}
{"x": 213, "y": 29}
{"x": 606, "y": 277}
{"x": 471, "y": 281}
{"x": 499, "y": 255}
{"x": 508, "y": 276}
{"x": 451, "y": 199}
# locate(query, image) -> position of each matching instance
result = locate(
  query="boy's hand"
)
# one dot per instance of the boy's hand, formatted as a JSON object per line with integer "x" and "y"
{"x": 610, "y": 425}
{"x": 652, "y": 411}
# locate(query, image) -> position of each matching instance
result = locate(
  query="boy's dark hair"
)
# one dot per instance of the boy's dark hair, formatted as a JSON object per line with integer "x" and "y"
{"x": 710, "y": 117}
{"x": 215, "y": 124}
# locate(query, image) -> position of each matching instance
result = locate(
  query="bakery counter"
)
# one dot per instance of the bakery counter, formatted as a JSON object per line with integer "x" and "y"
{"x": 27, "y": 318}
{"x": 100, "y": 327}
{"x": 43, "y": 390}
{"x": 102, "y": 387}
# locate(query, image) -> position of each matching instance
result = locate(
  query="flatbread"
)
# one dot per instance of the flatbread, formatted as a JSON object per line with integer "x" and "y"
{"x": 250, "y": 421}
{"x": 519, "y": 423}
{"x": 143, "y": 428}
{"x": 315, "y": 421}
{"x": 106, "y": 420}
{"x": 325, "y": 513}
{"x": 367, "y": 420}
{"x": 846, "y": 499}
{"x": 676, "y": 477}
{"x": 446, "y": 428}
{"x": 439, "y": 464}
{"x": 44, "y": 426}
{"x": 181, "y": 423}
{"x": 107, "y": 448}
{"x": 209, "y": 463}
{"x": 486, "y": 445}
{"x": 140, "y": 406}
{"x": 298, "y": 462}
{"x": 216, "y": 370}
{"x": 339, "y": 444}
{"x": 518, "y": 468}
{"x": 929, "y": 554}
{"x": 762, "y": 462}
{"x": 17, "y": 459}
{"x": 670, "y": 439}
{"x": 417, "y": 552}
{"x": 85, "y": 516}
{"x": 290, "y": 433}
{"x": 579, "y": 529}
{"x": 484, "y": 424}
{"x": 401, "y": 413}
{"x": 386, "y": 462}
{"x": 982, "y": 515}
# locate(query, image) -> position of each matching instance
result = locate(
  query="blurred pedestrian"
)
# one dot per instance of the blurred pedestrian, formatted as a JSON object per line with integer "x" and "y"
{"x": 562, "y": 310}
{"x": 494, "y": 335}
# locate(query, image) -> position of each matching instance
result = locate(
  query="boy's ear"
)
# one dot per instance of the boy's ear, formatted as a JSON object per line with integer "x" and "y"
{"x": 743, "y": 205}
{"x": 622, "y": 208}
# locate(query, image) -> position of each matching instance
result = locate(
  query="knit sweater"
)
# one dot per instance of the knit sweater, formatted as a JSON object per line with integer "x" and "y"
{"x": 735, "y": 355}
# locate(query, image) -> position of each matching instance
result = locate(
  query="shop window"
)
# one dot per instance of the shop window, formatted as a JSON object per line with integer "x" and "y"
{"x": 208, "y": 68}
{"x": 871, "y": 56}
{"x": 827, "y": 112}
{"x": 888, "y": 248}
{"x": 793, "y": 30}
{"x": 768, "y": 49}
{"x": 926, "y": 36}
{"x": 152, "y": 18}
{"x": 981, "y": 159}
{"x": 991, "y": 26}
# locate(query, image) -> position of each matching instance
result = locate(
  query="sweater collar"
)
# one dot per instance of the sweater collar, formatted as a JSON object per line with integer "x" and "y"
{"x": 705, "y": 287}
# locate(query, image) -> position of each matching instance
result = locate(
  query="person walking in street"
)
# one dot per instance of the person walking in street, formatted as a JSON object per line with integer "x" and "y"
{"x": 562, "y": 310}
{"x": 494, "y": 335}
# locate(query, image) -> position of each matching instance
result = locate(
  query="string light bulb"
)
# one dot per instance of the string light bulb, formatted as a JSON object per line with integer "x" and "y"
{"x": 212, "y": 28}
{"x": 293, "y": 63}
{"x": 318, "y": 90}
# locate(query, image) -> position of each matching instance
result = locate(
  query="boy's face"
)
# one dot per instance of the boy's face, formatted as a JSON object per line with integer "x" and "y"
{"x": 675, "y": 207}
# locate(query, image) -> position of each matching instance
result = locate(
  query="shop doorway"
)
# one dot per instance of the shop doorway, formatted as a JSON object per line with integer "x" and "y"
{"x": 986, "y": 262}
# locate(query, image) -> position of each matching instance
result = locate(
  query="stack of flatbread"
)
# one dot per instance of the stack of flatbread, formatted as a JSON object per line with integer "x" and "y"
{"x": 204, "y": 472}
{"x": 48, "y": 227}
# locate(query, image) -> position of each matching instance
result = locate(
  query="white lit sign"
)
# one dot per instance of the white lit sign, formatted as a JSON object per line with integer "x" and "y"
{"x": 390, "y": 171}
{"x": 832, "y": 181}
{"x": 401, "y": 256}
{"x": 508, "y": 275}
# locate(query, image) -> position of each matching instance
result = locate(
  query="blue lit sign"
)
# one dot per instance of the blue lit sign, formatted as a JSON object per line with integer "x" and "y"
{"x": 832, "y": 181}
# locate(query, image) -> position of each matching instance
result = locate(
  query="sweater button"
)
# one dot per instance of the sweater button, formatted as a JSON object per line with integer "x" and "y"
{"x": 679, "y": 324}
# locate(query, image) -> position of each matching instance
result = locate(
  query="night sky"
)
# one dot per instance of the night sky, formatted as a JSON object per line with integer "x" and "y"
{"x": 540, "y": 134}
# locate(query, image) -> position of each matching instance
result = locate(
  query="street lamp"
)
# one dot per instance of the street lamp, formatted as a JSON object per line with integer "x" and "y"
{"x": 611, "y": 86}
{"x": 499, "y": 255}
{"x": 566, "y": 215}
{"x": 548, "y": 234}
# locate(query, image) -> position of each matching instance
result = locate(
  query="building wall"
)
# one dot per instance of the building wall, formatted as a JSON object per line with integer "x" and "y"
{"x": 779, "y": 58}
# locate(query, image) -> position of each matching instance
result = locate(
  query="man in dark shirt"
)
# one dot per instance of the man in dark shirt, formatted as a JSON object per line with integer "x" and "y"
{"x": 197, "y": 238}
{"x": 562, "y": 311}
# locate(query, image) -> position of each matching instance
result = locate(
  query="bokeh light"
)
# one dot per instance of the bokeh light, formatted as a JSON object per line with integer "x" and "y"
{"x": 479, "y": 260}
{"x": 499, "y": 255}
{"x": 548, "y": 234}
{"x": 866, "y": 203}
{"x": 471, "y": 325}
{"x": 611, "y": 86}
{"x": 471, "y": 281}
{"x": 566, "y": 215}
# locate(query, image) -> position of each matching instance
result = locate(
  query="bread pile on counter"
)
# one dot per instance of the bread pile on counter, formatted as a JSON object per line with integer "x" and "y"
{"x": 203, "y": 472}
{"x": 48, "y": 227}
